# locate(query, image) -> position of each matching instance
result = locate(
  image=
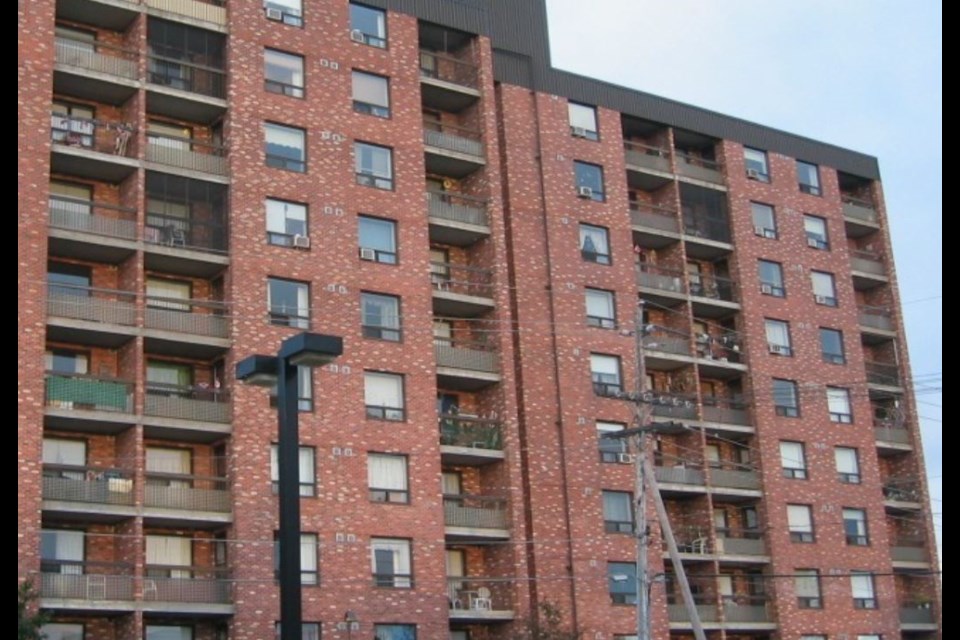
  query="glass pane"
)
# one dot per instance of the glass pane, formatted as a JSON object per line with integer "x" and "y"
{"x": 581, "y": 116}
{"x": 370, "y": 89}
{"x": 377, "y": 234}
{"x": 285, "y": 68}
{"x": 368, "y": 20}
{"x": 284, "y": 142}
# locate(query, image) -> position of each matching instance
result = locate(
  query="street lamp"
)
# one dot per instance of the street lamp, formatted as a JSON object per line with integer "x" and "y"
{"x": 303, "y": 349}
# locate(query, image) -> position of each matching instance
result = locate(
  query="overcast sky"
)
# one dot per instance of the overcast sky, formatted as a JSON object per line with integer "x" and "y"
{"x": 862, "y": 74}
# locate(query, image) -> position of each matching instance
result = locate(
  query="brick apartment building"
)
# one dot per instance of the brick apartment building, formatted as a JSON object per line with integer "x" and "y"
{"x": 198, "y": 182}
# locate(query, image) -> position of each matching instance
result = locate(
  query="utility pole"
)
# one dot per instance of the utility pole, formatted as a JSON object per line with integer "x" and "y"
{"x": 642, "y": 418}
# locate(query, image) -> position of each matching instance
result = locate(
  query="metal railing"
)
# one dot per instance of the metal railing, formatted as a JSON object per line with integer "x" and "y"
{"x": 187, "y": 153}
{"x": 651, "y": 216}
{"x": 882, "y": 373}
{"x": 96, "y": 485}
{"x": 734, "y": 479}
{"x": 196, "y": 317}
{"x": 920, "y": 614}
{"x": 174, "y": 583}
{"x": 438, "y": 66}
{"x": 453, "y": 138}
{"x": 901, "y": 490}
{"x": 455, "y": 278}
{"x": 673, "y": 405}
{"x": 664, "y": 340}
{"x": 749, "y": 611}
{"x": 188, "y": 492}
{"x": 475, "y": 356}
{"x": 86, "y": 581}
{"x": 476, "y": 433}
{"x": 457, "y": 207}
{"x": 876, "y": 317}
{"x": 82, "y": 392}
{"x": 114, "y": 138}
{"x": 741, "y": 542}
{"x": 475, "y": 512}
{"x": 653, "y": 277}
{"x": 858, "y": 209}
{"x": 213, "y": 12}
{"x": 185, "y": 232}
{"x": 715, "y": 287}
{"x": 699, "y": 168}
{"x": 913, "y": 552}
{"x": 891, "y": 434}
{"x": 108, "y": 306}
{"x": 177, "y": 73}
{"x": 203, "y": 404}
{"x": 706, "y": 613}
{"x": 700, "y": 225}
{"x": 726, "y": 410}
{"x": 680, "y": 475}
{"x": 75, "y": 214}
{"x": 638, "y": 154}
{"x": 96, "y": 56}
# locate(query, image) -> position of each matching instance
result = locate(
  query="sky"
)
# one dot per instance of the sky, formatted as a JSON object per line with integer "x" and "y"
{"x": 861, "y": 74}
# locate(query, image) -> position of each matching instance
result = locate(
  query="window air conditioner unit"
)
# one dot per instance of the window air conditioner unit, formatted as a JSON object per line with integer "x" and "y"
{"x": 769, "y": 233}
{"x": 357, "y": 36}
{"x": 274, "y": 14}
{"x": 776, "y": 348}
{"x": 301, "y": 242}
{"x": 766, "y": 288}
{"x": 753, "y": 174}
{"x": 625, "y": 458}
{"x": 759, "y": 231}
{"x": 584, "y": 192}
{"x": 821, "y": 299}
{"x": 579, "y": 132}
{"x": 813, "y": 242}
{"x": 368, "y": 254}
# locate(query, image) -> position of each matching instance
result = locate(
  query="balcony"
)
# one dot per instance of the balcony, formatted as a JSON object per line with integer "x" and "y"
{"x": 79, "y": 401}
{"x": 475, "y": 517}
{"x": 90, "y": 586}
{"x": 448, "y": 83}
{"x": 167, "y": 496}
{"x": 211, "y": 15}
{"x": 185, "y": 589}
{"x": 883, "y": 374}
{"x": 735, "y": 481}
{"x": 681, "y": 478}
{"x": 660, "y": 285}
{"x": 718, "y": 409}
{"x": 868, "y": 270}
{"x": 909, "y": 554}
{"x": 700, "y": 169}
{"x": 465, "y": 366}
{"x": 902, "y": 494}
{"x": 91, "y": 316}
{"x": 918, "y": 618}
{"x": 89, "y": 230}
{"x": 478, "y": 600}
{"x": 876, "y": 324}
{"x": 92, "y": 149}
{"x": 673, "y": 405}
{"x": 94, "y": 70}
{"x": 181, "y": 88}
{"x": 457, "y": 219}
{"x": 665, "y": 349}
{"x": 859, "y": 216}
{"x": 741, "y": 545}
{"x": 181, "y": 408}
{"x": 101, "y": 494}
{"x": 187, "y": 154}
{"x": 713, "y": 296}
{"x": 892, "y": 440}
{"x": 185, "y": 245}
{"x": 465, "y": 440}
{"x": 644, "y": 158}
{"x": 461, "y": 291}
{"x": 709, "y": 614}
{"x": 654, "y": 227}
{"x": 452, "y": 150}
{"x": 746, "y": 612}
{"x": 197, "y": 328}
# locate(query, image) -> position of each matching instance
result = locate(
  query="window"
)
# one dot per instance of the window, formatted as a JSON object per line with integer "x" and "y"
{"x": 589, "y": 180}
{"x": 869, "y": 636}
{"x": 612, "y": 449}
{"x": 838, "y": 403}
{"x": 380, "y": 316}
{"x": 806, "y": 584}
{"x": 622, "y": 580}
{"x": 786, "y": 402}
{"x": 304, "y": 390}
{"x": 62, "y": 551}
{"x": 771, "y": 278}
{"x": 387, "y": 478}
{"x": 583, "y": 121}
{"x": 69, "y": 203}
{"x": 377, "y": 239}
{"x": 167, "y": 632}
{"x": 848, "y": 464}
{"x": 764, "y": 220}
{"x": 617, "y": 512}
{"x": 800, "y": 522}
{"x": 309, "y": 563}
{"x": 168, "y": 376}
{"x": 815, "y": 636}
{"x": 390, "y": 563}
{"x": 307, "y": 470}
{"x": 286, "y": 223}
{"x": 601, "y": 308}
{"x": 778, "y": 337}
{"x": 816, "y": 229}
{"x": 67, "y": 362}
{"x": 373, "y": 165}
{"x": 169, "y": 557}
{"x": 67, "y": 279}
{"x": 594, "y": 244}
{"x": 368, "y": 25}
{"x": 168, "y": 294}
{"x": 861, "y": 587}
{"x": 285, "y": 11}
{"x": 289, "y": 303}
{"x": 395, "y": 632}
{"x": 371, "y": 94}
{"x": 383, "y": 395}
{"x": 756, "y": 164}
{"x": 62, "y": 631}
{"x": 793, "y": 460}
{"x": 808, "y": 178}
{"x": 824, "y": 289}
{"x": 855, "y": 527}
{"x": 286, "y": 147}
{"x": 308, "y": 630}
{"x": 283, "y": 73}
{"x": 831, "y": 346}
{"x": 605, "y": 373}
{"x": 67, "y": 458}
{"x": 72, "y": 124}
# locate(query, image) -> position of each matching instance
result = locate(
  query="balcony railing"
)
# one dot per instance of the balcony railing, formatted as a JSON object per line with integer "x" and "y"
{"x": 448, "y": 69}
{"x": 475, "y": 512}
{"x": 187, "y": 492}
{"x": 699, "y": 168}
{"x": 453, "y": 138}
{"x": 74, "y": 214}
{"x": 176, "y": 73}
{"x": 859, "y": 209}
{"x": 108, "y": 306}
{"x": 749, "y": 611}
{"x": 734, "y": 478}
{"x": 86, "y": 581}
{"x": 94, "y": 485}
{"x": 469, "y": 594}
{"x": 715, "y": 287}
{"x": 476, "y": 433}
{"x": 204, "y": 404}
{"x": 882, "y": 373}
{"x": 663, "y": 340}
{"x": 475, "y": 356}
{"x": 213, "y": 12}
{"x": 673, "y": 405}
{"x": 922, "y": 614}
{"x": 680, "y": 475}
{"x": 725, "y": 410}
{"x": 891, "y": 434}
{"x": 187, "y": 153}
{"x": 455, "y": 278}
{"x": 706, "y": 613}
{"x": 638, "y": 154}
{"x": 195, "y": 317}
{"x": 175, "y": 583}
{"x": 98, "y": 57}
{"x": 88, "y": 393}
{"x": 653, "y": 277}
{"x": 876, "y": 318}
{"x": 457, "y": 207}
{"x": 867, "y": 262}
{"x": 902, "y": 490}
{"x": 909, "y": 551}
{"x": 113, "y": 138}
{"x": 741, "y": 542}
{"x": 651, "y": 216}
{"x": 708, "y": 227}
{"x": 187, "y": 233}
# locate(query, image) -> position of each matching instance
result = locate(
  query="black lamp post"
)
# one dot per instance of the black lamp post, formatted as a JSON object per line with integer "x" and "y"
{"x": 304, "y": 349}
